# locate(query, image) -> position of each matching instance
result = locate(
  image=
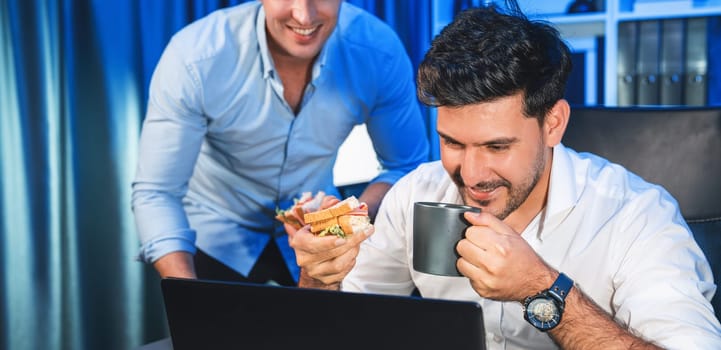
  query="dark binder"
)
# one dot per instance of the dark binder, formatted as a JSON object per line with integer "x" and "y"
{"x": 627, "y": 53}
{"x": 647, "y": 84}
{"x": 695, "y": 90}
{"x": 672, "y": 61}
{"x": 713, "y": 85}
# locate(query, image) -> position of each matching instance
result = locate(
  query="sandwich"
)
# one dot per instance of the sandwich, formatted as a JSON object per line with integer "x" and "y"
{"x": 307, "y": 203}
{"x": 344, "y": 218}
{"x": 341, "y": 219}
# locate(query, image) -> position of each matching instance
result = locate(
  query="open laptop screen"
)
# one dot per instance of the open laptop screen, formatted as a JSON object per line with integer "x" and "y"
{"x": 232, "y": 315}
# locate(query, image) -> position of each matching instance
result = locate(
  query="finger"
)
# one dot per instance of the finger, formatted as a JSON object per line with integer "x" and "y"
{"x": 306, "y": 241}
{"x": 474, "y": 255}
{"x": 490, "y": 220}
{"x": 370, "y": 230}
{"x": 315, "y": 250}
{"x": 343, "y": 245}
{"x": 333, "y": 270}
{"x": 477, "y": 274}
{"x": 311, "y": 249}
{"x": 466, "y": 248}
{"x": 481, "y": 287}
{"x": 305, "y": 230}
{"x": 465, "y": 267}
{"x": 328, "y": 201}
{"x": 358, "y": 238}
{"x": 341, "y": 264}
{"x": 483, "y": 244}
{"x": 351, "y": 242}
{"x": 290, "y": 229}
{"x": 329, "y": 279}
{"x": 480, "y": 235}
{"x": 490, "y": 261}
{"x": 470, "y": 270}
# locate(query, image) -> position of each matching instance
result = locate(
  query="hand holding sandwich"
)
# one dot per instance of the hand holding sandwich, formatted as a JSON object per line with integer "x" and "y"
{"x": 327, "y": 245}
{"x": 325, "y": 261}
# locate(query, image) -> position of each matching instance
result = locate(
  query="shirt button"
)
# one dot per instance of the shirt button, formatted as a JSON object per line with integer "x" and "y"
{"x": 495, "y": 337}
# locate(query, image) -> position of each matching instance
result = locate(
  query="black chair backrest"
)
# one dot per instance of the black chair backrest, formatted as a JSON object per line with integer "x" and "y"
{"x": 678, "y": 148}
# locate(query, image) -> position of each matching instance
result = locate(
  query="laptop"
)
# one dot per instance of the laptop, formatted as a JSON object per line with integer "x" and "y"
{"x": 232, "y": 315}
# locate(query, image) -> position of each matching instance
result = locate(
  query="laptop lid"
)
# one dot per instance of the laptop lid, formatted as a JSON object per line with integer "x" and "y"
{"x": 232, "y": 315}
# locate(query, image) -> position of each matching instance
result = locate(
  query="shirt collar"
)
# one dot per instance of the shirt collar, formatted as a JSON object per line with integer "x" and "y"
{"x": 563, "y": 190}
{"x": 267, "y": 60}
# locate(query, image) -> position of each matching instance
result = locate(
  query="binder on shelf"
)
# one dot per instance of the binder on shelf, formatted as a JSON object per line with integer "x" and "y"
{"x": 626, "y": 64}
{"x": 647, "y": 83}
{"x": 713, "y": 70}
{"x": 695, "y": 89}
{"x": 672, "y": 62}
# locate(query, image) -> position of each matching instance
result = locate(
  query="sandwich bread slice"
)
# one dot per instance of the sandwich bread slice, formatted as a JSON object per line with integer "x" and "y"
{"x": 345, "y": 218}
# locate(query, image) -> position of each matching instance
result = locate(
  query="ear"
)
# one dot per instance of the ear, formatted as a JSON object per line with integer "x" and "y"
{"x": 554, "y": 125}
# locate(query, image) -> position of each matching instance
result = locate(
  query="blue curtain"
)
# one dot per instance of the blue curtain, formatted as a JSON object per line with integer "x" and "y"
{"x": 74, "y": 77}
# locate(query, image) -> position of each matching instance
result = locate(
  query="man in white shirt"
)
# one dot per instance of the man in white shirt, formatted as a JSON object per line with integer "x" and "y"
{"x": 606, "y": 254}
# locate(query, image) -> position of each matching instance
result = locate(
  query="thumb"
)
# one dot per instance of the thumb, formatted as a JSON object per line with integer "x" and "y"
{"x": 293, "y": 230}
{"x": 474, "y": 218}
{"x": 289, "y": 229}
{"x": 298, "y": 234}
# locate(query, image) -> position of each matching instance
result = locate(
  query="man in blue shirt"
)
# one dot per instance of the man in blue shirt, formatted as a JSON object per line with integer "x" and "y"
{"x": 247, "y": 109}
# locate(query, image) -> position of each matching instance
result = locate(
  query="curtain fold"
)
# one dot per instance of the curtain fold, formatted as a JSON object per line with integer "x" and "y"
{"x": 74, "y": 76}
{"x": 72, "y": 79}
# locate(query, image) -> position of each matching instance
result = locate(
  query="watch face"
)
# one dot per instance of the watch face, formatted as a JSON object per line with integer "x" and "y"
{"x": 543, "y": 313}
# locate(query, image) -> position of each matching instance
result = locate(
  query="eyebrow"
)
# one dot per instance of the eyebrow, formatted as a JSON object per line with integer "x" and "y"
{"x": 496, "y": 141}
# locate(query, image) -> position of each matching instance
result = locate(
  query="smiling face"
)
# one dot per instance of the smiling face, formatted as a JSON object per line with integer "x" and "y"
{"x": 298, "y": 29}
{"x": 499, "y": 159}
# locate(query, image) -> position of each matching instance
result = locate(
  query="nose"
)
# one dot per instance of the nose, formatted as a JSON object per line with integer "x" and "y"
{"x": 474, "y": 167}
{"x": 304, "y": 11}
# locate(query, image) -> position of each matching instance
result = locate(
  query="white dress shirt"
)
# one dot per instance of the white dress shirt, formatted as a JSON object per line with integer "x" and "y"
{"x": 622, "y": 240}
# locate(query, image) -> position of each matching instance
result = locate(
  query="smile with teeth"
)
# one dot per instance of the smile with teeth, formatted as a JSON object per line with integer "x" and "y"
{"x": 481, "y": 193}
{"x": 304, "y": 31}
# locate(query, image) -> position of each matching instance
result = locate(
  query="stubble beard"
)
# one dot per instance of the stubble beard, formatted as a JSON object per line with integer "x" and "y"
{"x": 517, "y": 194}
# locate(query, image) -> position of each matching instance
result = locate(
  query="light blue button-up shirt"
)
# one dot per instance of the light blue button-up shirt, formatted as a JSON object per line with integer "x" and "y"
{"x": 221, "y": 149}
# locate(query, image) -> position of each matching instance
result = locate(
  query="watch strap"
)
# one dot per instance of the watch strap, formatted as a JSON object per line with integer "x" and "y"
{"x": 562, "y": 286}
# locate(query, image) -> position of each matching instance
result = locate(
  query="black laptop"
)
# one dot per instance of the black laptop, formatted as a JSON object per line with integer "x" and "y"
{"x": 232, "y": 315}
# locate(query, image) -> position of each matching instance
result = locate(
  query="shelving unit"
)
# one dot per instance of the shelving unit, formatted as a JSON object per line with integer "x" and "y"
{"x": 575, "y": 27}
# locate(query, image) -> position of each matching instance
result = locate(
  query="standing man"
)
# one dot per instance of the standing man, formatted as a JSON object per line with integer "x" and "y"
{"x": 569, "y": 251}
{"x": 247, "y": 109}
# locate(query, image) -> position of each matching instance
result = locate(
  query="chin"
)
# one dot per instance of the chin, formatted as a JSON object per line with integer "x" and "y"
{"x": 304, "y": 53}
{"x": 485, "y": 206}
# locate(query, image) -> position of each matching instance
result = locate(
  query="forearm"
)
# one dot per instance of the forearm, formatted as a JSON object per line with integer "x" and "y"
{"x": 176, "y": 264}
{"x": 586, "y": 326}
{"x": 306, "y": 281}
{"x": 373, "y": 195}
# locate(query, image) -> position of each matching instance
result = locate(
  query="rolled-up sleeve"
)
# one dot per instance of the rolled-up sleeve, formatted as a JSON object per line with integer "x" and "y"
{"x": 170, "y": 141}
{"x": 664, "y": 283}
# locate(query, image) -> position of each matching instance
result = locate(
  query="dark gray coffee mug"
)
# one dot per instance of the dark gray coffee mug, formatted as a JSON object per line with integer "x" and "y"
{"x": 437, "y": 228}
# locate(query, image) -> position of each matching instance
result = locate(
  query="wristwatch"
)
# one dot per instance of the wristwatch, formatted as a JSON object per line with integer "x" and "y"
{"x": 544, "y": 310}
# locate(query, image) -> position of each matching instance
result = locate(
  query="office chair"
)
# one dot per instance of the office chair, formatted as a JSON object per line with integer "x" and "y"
{"x": 678, "y": 148}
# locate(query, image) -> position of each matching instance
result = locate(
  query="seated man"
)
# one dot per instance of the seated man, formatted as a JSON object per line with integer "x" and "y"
{"x": 612, "y": 245}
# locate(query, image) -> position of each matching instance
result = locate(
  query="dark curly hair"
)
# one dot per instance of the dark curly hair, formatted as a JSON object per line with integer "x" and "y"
{"x": 485, "y": 54}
